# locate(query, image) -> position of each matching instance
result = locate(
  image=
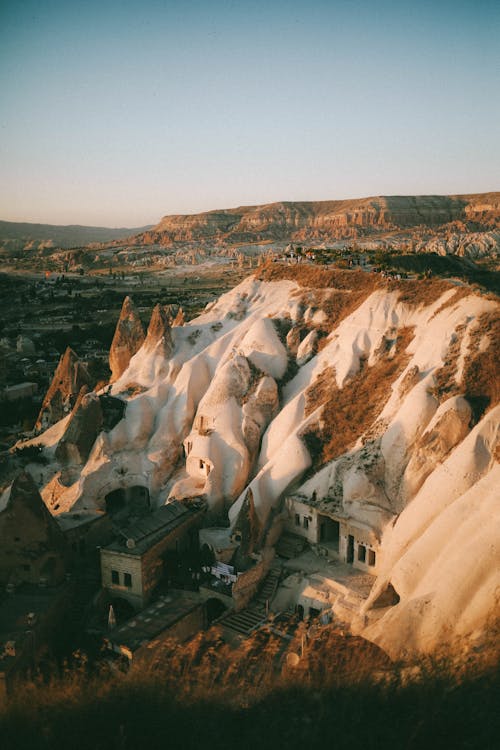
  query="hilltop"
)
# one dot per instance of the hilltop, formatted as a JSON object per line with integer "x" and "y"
{"x": 14, "y": 235}
{"x": 321, "y": 221}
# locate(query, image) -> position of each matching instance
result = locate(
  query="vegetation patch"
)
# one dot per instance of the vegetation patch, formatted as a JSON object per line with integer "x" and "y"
{"x": 480, "y": 381}
{"x": 420, "y": 292}
{"x": 342, "y": 691}
{"x": 350, "y": 411}
{"x": 481, "y": 376}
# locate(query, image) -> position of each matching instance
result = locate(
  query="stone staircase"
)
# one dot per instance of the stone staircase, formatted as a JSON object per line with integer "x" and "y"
{"x": 240, "y": 624}
{"x": 268, "y": 588}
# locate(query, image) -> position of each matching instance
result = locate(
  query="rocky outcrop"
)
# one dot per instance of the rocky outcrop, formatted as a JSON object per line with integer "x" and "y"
{"x": 69, "y": 378}
{"x": 82, "y": 429}
{"x": 32, "y": 544}
{"x": 299, "y": 221}
{"x": 159, "y": 334}
{"x": 179, "y": 318}
{"x": 128, "y": 339}
{"x": 447, "y": 429}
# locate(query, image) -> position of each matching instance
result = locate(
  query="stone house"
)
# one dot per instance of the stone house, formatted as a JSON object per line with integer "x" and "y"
{"x": 132, "y": 567}
{"x": 178, "y": 616}
{"x": 336, "y": 534}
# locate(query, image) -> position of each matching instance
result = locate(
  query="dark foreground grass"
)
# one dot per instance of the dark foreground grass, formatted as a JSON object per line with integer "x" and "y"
{"x": 433, "y": 714}
{"x": 206, "y": 697}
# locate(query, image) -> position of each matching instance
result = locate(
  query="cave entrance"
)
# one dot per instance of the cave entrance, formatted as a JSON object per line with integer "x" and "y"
{"x": 214, "y": 609}
{"x": 329, "y": 531}
{"x": 134, "y": 499}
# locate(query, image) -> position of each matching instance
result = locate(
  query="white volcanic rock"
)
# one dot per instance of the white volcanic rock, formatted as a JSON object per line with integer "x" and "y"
{"x": 442, "y": 556}
{"x": 307, "y": 348}
{"x": 211, "y": 413}
{"x": 449, "y": 425}
{"x": 264, "y": 349}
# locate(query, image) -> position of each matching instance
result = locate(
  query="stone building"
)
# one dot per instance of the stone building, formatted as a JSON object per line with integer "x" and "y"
{"x": 133, "y": 567}
{"x": 178, "y": 616}
{"x": 337, "y": 534}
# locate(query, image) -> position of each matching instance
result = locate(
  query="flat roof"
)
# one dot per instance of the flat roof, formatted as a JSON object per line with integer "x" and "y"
{"x": 145, "y": 532}
{"x": 144, "y": 627}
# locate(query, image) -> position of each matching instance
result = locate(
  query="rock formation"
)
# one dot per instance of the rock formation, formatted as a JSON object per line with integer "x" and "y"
{"x": 391, "y": 424}
{"x": 32, "y": 544}
{"x": 159, "y": 334}
{"x": 70, "y": 376}
{"x": 84, "y": 425}
{"x": 298, "y": 221}
{"x": 128, "y": 339}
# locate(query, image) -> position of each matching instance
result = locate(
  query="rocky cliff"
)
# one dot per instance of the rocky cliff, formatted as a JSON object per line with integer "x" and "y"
{"x": 327, "y": 220}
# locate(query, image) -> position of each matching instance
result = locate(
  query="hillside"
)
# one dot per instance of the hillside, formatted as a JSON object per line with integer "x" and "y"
{"x": 17, "y": 234}
{"x": 327, "y": 220}
{"x": 372, "y": 401}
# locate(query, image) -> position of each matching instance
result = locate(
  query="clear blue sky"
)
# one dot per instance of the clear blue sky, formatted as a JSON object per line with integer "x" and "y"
{"x": 117, "y": 112}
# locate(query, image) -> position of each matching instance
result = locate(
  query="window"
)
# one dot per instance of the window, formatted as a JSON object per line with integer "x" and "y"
{"x": 202, "y": 463}
{"x": 306, "y": 522}
{"x": 115, "y": 577}
{"x": 127, "y": 579}
{"x": 361, "y": 553}
{"x": 297, "y": 519}
{"x": 26, "y": 567}
{"x": 371, "y": 557}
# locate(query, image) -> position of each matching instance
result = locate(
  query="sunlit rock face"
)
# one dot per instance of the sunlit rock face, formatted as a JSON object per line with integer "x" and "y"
{"x": 159, "y": 331}
{"x": 324, "y": 220}
{"x": 378, "y": 398}
{"x": 70, "y": 376}
{"x": 128, "y": 339}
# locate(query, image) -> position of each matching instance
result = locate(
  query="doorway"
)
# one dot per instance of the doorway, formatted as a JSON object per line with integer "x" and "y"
{"x": 350, "y": 549}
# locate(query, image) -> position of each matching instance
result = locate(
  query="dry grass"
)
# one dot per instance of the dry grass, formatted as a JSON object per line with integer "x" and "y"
{"x": 446, "y": 382}
{"x": 480, "y": 382}
{"x": 420, "y": 292}
{"x": 481, "y": 376}
{"x": 460, "y": 293}
{"x": 349, "y": 412}
{"x": 315, "y": 277}
{"x": 337, "y": 293}
{"x": 204, "y": 694}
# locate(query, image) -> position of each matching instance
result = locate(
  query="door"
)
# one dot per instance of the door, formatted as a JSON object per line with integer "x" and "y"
{"x": 350, "y": 549}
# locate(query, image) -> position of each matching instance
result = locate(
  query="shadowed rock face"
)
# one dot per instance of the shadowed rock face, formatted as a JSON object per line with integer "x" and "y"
{"x": 69, "y": 378}
{"x": 90, "y": 415}
{"x": 83, "y": 427}
{"x": 32, "y": 543}
{"x": 128, "y": 339}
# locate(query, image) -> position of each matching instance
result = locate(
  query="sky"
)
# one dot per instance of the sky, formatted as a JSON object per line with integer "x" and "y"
{"x": 118, "y": 112}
